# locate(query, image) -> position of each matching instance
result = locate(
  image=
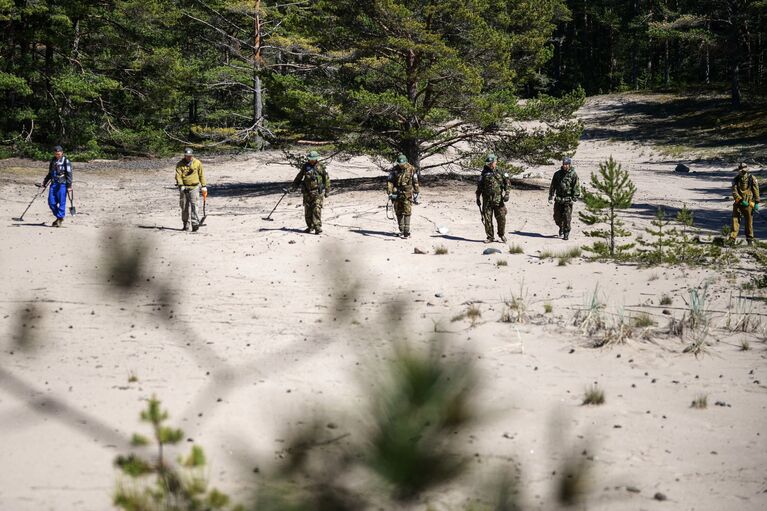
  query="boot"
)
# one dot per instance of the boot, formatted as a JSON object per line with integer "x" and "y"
{"x": 406, "y": 234}
{"x": 503, "y": 238}
{"x": 561, "y": 232}
{"x": 489, "y": 240}
{"x": 56, "y": 223}
{"x": 195, "y": 228}
{"x": 186, "y": 226}
{"x": 750, "y": 242}
{"x": 317, "y": 231}
{"x": 307, "y": 230}
{"x": 566, "y": 235}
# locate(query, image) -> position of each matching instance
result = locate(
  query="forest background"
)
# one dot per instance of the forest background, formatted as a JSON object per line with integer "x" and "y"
{"x": 144, "y": 77}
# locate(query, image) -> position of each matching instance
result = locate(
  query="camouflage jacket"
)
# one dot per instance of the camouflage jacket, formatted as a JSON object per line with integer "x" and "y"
{"x": 313, "y": 179}
{"x": 493, "y": 185}
{"x": 403, "y": 181}
{"x": 745, "y": 187}
{"x": 565, "y": 185}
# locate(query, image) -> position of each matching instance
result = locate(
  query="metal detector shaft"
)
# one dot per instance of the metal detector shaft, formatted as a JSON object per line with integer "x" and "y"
{"x": 31, "y": 202}
{"x": 269, "y": 217}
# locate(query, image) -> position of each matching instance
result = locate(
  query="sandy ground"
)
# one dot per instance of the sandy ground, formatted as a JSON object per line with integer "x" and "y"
{"x": 254, "y": 337}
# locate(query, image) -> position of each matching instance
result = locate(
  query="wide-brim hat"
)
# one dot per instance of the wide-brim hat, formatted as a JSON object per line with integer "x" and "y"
{"x": 401, "y": 158}
{"x": 313, "y": 155}
{"x": 741, "y": 166}
{"x": 188, "y": 151}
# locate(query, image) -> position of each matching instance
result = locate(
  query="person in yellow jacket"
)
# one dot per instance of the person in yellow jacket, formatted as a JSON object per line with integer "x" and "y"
{"x": 190, "y": 180}
{"x": 745, "y": 193}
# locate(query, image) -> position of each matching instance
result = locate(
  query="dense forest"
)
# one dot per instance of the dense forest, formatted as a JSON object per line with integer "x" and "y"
{"x": 143, "y": 77}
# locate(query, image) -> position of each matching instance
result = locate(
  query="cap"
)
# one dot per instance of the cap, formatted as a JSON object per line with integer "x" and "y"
{"x": 490, "y": 158}
{"x": 401, "y": 158}
{"x": 188, "y": 150}
{"x": 58, "y": 149}
{"x": 567, "y": 161}
{"x": 742, "y": 166}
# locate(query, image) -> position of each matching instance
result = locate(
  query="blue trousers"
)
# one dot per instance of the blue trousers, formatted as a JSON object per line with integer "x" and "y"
{"x": 57, "y": 199}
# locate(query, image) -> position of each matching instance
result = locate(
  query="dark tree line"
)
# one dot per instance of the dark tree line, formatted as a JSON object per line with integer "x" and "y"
{"x": 608, "y": 45}
{"x": 424, "y": 77}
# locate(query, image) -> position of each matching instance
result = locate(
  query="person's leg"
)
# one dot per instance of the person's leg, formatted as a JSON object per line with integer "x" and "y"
{"x": 735, "y": 221}
{"x": 194, "y": 200}
{"x": 308, "y": 214}
{"x": 184, "y": 205}
{"x": 52, "y": 200}
{"x": 399, "y": 212}
{"x": 61, "y": 200}
{"x": 500, "y": 218}
{"x": 487, "y": 219}
{"x": 317, "y": 215}
{"x": 748, "y": 223}
{"x": 558, "y": 216}
{"x": 567, "y": 217}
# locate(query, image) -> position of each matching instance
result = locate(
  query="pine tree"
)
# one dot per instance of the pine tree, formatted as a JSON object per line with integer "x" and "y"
{"x": 660, "y": 249}
{"x": 613, "y": 191}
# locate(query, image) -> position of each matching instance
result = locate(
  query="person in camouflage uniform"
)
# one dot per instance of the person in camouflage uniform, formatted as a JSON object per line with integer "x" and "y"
{"x": 564, "y": 191}
{"x": 403, "y": 189}
{"x": 315, "y": 186}
{"x": 745, "y": 193}
{"x": 493, "y": 189}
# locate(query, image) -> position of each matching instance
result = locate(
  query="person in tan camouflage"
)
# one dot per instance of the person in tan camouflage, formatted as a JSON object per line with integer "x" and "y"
{"x": 492, "y": 194}
{"x": 565, "y": 190}
{"x": 745, "y": 193}
{"x": 315, "y": 186}
{"x": 403, "y": 189}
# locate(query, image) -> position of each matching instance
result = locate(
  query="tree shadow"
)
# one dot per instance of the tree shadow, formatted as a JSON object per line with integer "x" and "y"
{"x": 695, "y": 121}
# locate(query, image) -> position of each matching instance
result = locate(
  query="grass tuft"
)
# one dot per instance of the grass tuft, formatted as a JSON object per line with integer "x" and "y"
{"x": 516, "y": 249}
{"x": 501, "y": 262}
{"x": 643, "y": 320}
{"x": 700, "y": 402}
{"x": 594, "y": 396}
{"x": 440, "y": 250}
{"x": 548, "y": 308}
{"x": 666, "y": 300}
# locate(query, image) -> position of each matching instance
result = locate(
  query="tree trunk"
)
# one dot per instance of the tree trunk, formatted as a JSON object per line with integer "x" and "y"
{"x": 612, "y": 230}
{"x": 411, "y": 146}
{"x": 258, "y": 105}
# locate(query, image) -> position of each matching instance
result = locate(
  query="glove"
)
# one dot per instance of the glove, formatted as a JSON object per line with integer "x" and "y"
{"x": 181, "y": 188}
{"x": 415, "y": 198}
{"x": 506, "y": 198}
{"x": 756, "y": 207}
{"x": 204, "y": 192}
{"x": 393, "y": 196}
{"x": 744, "y": 202}
{"x": 479, "y": 202}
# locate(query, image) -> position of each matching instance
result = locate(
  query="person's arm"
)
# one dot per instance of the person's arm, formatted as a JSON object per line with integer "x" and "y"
{"x": 553, "y": 186}
{"x": 416, "y": 186}
{"x": 755, "y": 189}
{"x": 68, "y": 172}
{"x": 179, "y": 175}
{"x": 576, "y": 192}
{"x": 298, "y": 179}
{"x": 201, "y": 172}
{"x": 390, "y": 182}
{"x": 737, "y": 197}
{"x": 326, "y": 180}
{"x": 47, "y": 177}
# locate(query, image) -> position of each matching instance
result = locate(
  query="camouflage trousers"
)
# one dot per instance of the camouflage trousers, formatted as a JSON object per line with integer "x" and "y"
{"x": 189, "y": 201}
{"x": 745, "y": 215}
{"x": 563, "y": 215}
{"x": 313, "y": 211}
{"x": 499, "y": 211}
{"x": 403, "y": 209}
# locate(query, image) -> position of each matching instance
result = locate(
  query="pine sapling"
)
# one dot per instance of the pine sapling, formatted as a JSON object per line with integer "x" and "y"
{"x": 613, "y": 190}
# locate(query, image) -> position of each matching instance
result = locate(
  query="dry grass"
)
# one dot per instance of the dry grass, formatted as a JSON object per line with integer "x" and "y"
{"x": 132, "y": 378}
{"x": 473, "y": 314}
{"x": 643, "y": 320}
{"x": 744, "y": 345}
{"x": 594, "y": 396}
{"x": 516, "y": 249}
{"x": 666, "y": 300}
{"x": 441, "y": 250}
{"x": 700, "y": 402}
{"x": 548, "y": 308}
{"x": 501, "y": 262}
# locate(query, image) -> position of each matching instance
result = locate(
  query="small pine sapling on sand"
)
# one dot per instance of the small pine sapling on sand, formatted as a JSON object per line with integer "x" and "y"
{"x": 613, "y": 190}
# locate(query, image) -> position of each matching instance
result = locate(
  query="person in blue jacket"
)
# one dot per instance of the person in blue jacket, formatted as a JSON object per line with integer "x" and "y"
{"x": 60, "y": 177}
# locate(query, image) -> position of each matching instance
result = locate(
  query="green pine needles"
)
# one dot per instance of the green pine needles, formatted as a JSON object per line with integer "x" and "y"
{"x": 613, "y": 190}
{"x": 159, "y": 484}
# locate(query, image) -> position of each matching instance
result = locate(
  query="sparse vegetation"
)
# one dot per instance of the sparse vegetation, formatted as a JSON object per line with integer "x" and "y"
{"x": 548, "y": 308}
{"x": 516, "y": 249}
{"x": 589, "y": 318}
{"x": 594, "y": 396}
{"x": 473, "y": 313}
{"x": 744, "y": 345}
{"x": 132, "y": 378}
{"x": 643, "y": 320}
{"x": 501, "y": 262}
{"x": 666, "y": 300}
{"x": 700, "y": 402}
{"x": 441, "y": 250}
